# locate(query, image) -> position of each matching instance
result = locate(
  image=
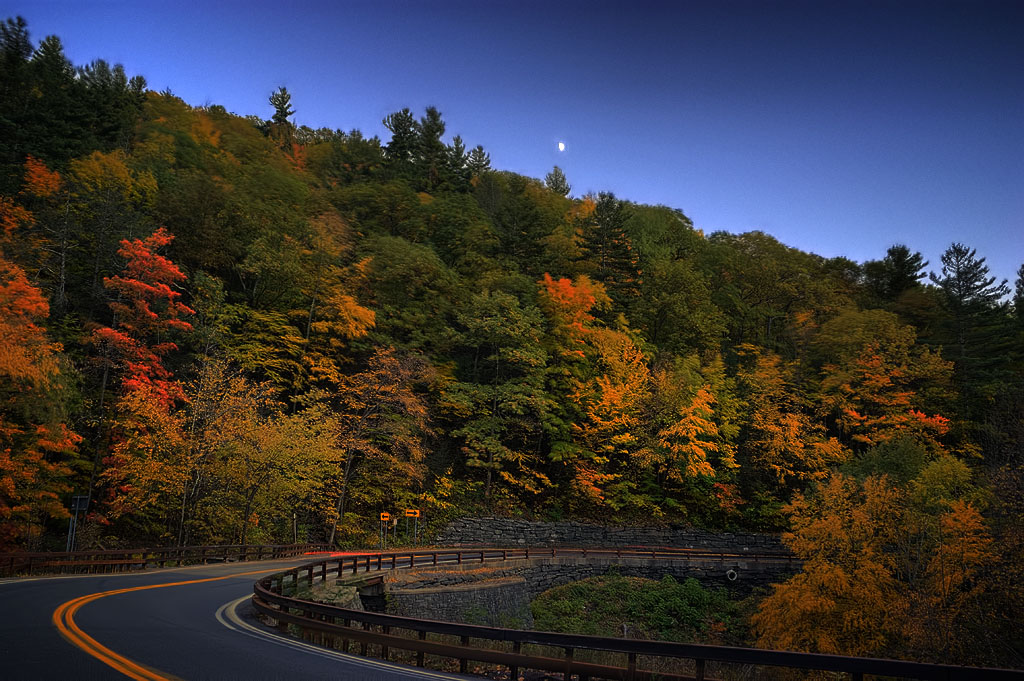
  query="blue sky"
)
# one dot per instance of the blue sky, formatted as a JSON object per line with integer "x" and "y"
{"x": 838, "y": 127}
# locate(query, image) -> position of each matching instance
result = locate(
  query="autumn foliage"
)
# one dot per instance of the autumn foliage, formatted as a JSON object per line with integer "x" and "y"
{"x": 145, "y": 310}
{"x": 228, "y": 329}
{"x": 32, "y": 439}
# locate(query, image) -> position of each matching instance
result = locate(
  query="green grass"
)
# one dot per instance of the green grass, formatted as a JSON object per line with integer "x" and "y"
{"x": 632, "y": 607}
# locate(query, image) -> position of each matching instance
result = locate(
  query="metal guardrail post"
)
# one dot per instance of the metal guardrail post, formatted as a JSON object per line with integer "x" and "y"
{"x": 517, "y": 647}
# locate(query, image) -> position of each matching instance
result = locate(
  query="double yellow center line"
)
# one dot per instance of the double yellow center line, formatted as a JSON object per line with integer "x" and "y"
{"x": 64, "y": 620}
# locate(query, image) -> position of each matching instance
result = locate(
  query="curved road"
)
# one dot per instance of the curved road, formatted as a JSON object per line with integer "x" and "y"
{"x": 177, "y": 624}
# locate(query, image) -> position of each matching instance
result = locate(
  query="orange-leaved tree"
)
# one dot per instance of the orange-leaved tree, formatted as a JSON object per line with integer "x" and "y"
{"x": 604, "y": 376}
{"x": 784, "y": 447}
{"x": 691, "y": 446}
{"x": 34, "y": 443}
{"x": 877, "y": 385}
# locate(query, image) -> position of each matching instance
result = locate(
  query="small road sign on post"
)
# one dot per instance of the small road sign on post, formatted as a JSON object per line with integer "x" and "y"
{"x": 415, "y": 514}
{"x": 384, "y": 518}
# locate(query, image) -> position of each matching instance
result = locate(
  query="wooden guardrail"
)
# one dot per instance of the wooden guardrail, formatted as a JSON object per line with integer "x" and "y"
{"x": 121, "y": 560}
{"x": 340, "y": 627}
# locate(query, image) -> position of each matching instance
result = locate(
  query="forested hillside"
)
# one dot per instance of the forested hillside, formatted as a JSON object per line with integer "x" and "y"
{"x": 231, "y": 329}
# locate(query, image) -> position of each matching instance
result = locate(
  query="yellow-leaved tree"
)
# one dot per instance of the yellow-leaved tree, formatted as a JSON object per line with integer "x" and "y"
{"x": 889, "y": 569}
{"x": 378, "y": 432}
{"x": 847, "y": 599}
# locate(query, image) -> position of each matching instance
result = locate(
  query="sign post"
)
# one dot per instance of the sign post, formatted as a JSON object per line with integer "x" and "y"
{"x": 413, "y": 513}
{"x": 384, "y": 518}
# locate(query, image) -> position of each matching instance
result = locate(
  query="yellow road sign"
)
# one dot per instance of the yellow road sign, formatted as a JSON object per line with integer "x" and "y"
{"x": 412, "y": 513}
{"x": 385, "y": 517}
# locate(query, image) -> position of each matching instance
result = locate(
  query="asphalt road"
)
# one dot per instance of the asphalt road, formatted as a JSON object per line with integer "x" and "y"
{"x": 189, "y": 631}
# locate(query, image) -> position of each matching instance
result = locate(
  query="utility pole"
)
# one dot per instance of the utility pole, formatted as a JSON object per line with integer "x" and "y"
{"x": 78, "y": 503}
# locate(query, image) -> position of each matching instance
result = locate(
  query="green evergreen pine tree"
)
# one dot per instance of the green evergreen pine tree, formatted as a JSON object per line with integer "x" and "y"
{"x": 478, "y": 161}
{"x": 556, "y": 182}
{"x": 607, "y": 249}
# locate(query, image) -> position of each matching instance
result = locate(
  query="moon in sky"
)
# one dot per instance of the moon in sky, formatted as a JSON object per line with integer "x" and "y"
{"x": 561, "y": 146}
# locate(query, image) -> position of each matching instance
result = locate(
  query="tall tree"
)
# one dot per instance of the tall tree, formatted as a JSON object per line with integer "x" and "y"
{"x": 500, "y": 404}
{"x": 35, "y": 445}
{"x": 281, "y": 100}
{"x": 609, "y": 252}
{"x": 457, "y": 164}
{"x": 400, "y": 151}
{"x": 379, "y": 434}
{"x": 898, "y": 271}
{"x": 977, "y": 329}
{"x": 478, "y": 161}
{"x": 605, "y": 382}
{"x": 556, "y": 182}
{"x": 146, "y": 310}
{"x": 433, "y": 164}
{"x": 968, "y": 288}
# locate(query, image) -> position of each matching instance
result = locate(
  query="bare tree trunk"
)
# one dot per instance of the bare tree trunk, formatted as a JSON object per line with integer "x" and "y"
{"x": 341, "y": 498}
{"x": 243, "y": 535}
{"x": 100, "y": 429}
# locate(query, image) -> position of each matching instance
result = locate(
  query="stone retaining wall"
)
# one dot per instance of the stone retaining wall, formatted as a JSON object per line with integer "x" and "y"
{"x": 496, "y": 602}
{"x": 506, "y": 532}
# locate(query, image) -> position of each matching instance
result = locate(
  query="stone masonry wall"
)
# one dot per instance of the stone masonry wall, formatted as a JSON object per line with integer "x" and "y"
{"x": 506, "y": 532}
{"x": 497, "y": 602}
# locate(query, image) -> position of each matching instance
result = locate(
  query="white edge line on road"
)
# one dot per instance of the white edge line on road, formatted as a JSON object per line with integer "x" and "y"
{"x": 227, "y": 615}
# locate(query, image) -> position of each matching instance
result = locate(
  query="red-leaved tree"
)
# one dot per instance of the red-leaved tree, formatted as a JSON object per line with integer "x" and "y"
{"x": 146, "y": 309}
